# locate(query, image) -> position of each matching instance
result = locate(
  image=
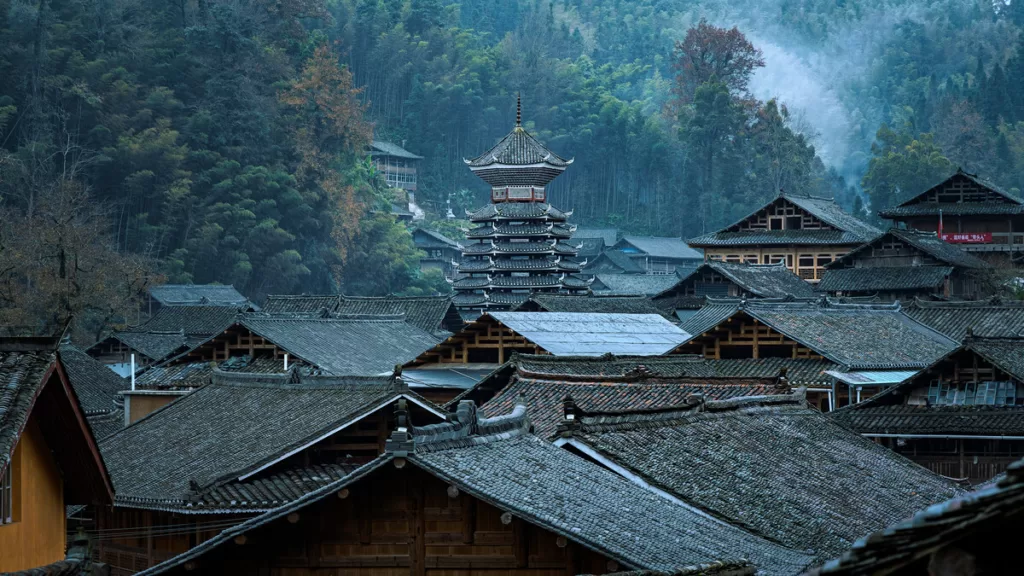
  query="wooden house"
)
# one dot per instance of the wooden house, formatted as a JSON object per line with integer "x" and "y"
{"x": 990, "y": 317}
{"x": 612, "y": 262}
{"x": 97, "y": 387}
{"x": 973, "y": 213}
{"x": 733, "y": 280}
{"x": 250, "y": 442}
{"x": 629, "y": 283}
{"x": 48, "y": 457}
{"x": 656, "y": 255}
{"x": 798, "y": 469}
{"x": 397, "y": 165}
{"x": 439, "y": 251}
{"x": 804, "y": 232}
{"x": 478, "y": 495}
{"x": 591, "y": 303}
{"x": 962, "y": 416}
{"x": 194, "y": 295}
{"x": 908, "y": 264}
{"x": 432, "y": 314}
{"x": 854, "y": 337}
{"x": 973, "y": 533}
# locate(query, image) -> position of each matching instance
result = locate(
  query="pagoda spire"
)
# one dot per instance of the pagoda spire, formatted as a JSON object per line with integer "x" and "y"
{"x": 519, "y": 110}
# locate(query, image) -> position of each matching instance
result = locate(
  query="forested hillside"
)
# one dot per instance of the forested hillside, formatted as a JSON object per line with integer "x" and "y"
{"x": 223, "y": 140}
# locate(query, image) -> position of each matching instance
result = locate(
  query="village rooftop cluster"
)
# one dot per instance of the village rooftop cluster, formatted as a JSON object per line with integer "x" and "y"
{"x": 797, "y": 393}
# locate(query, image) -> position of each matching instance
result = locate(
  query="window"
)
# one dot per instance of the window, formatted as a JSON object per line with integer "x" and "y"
{"x": 793, "y": 222}
{"x": 974, "y": 393}
{"x": 807, "y": 261}
{"x": 775, "y": 223}
{"x": 7, "y": 496}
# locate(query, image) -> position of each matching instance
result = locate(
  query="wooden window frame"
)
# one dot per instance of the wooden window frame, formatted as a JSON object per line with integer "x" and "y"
{"x": 9, "y": 492}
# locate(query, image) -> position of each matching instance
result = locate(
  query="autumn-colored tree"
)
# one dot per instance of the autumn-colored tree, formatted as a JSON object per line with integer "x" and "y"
{"x": 330, "y": 131}
{"x": 708, "y": 51}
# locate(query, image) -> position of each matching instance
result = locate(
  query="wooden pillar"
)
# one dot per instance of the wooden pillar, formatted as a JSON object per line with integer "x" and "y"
{"x": 520, "y": 543}
{"x": 417, "y": 525}
{"x": 149, "y": 537}
{"x": 960, "y": 452}
{"x": 468, "y": 518}
{"x": 756, "y": 331}
{"x": 572, "y": 561}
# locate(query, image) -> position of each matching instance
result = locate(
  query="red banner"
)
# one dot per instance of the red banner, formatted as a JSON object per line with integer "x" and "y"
{"x": 968, "y": 238}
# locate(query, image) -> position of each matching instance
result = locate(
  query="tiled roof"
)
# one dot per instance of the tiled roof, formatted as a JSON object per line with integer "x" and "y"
{"x": 154, "y": 345}
{"x": 500, "y": 229}
{"x": 637, "y": 304}
{"x": 855, "y": 336}
{"x": 191, "y": 320}
{"x": 778, "y": 468}
{"x": 609, "y": 235}
{"x": 197, "y": 294}
{"x": 649, "y": 284}
{"x": 660, "y": 247}
{"x": 229, "y": 428}
{"x": 992, "y": 317}
{"x": 927, "y": 242}
{"x": 381, "y": 148}
{"x": 616, "y": 258}
{"x": 777, "y": 237}
{"x": 591, "y": 247}
{"x": 95, "y": 384}
{"x": 174, "y": 376}
{"x": 764, "y": 280}
{"x": 826, "y": 210}
{"x": 1002, "y": 202}
{"x": 938, "y": 420}
{"x": 517, "y": 211}
{"x": 966, "y": 521}
{"x": 498, "y": 461}
{"x": 889, "y": 278}
{"x": 436, "y": 239}
{"x": 269, "y": 492}
{"x": 424, "y": 312}
{"x": 21, "y": 379}
{"x": 593, "y": 334}
{"x": 364, "y": 346}
{"x": 314, "y": 304}
{"x": 107, "y": 423}
{"x": 518, "y": 148}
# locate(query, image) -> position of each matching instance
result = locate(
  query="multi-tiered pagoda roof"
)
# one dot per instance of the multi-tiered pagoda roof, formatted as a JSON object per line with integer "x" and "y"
{"x": 520, "y": 244}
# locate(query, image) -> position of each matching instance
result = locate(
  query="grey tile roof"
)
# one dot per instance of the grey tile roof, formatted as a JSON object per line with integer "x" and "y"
{"x": 21, "y": 379}
{"x": 609, "y": 235}
{"x": 228, "y": 428}
{"x": 637, "y": 304}
{"x": 1000, "y": 201}
{"x": 966, "y": 521}
{"x": 649, "y": 284}
{"x": 313, "y": 304}
{"x": 855, "y": 336}
{"x": 591, "y": 247}
{"x": 95, "y": 384}
{"x": 496, "y": 460}
{"x": 826, "y": 210}
{"x": 197, "y": 294}
{"x": 430, "y": 239}
{"x": 154, "y": 345}
{"x": 191, "y": 320}
{"x": 175, "y": 376}
{"x": 764, "y": 280}
{"x": 381, "y": 148}
{"x": 269, "y": 492}
{"x": 992, "y": 317}
{"x": 778, "y": 468}
{"x": 518, "y": 148}
{"x": 428, "y": 313}
{"x": 517, "y": 211}
{"x": 107, "y": 423}
{"x": 926, "y": 242}
{"x": 593, "y": 334}
{"x": 660, "y": 247}
{"x": 359, "y": 346}
{"x": 616, "y": 259}
{"x": 885, "y": 279}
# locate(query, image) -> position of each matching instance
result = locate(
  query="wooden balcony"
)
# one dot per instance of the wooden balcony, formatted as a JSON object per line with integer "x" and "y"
{"x": 1001, "y": 242}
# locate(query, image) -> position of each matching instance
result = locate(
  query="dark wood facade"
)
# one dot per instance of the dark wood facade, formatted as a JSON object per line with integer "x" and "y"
{"x": 400, "y": 522}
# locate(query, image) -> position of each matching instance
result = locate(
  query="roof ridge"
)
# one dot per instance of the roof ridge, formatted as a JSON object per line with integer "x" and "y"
{"x": 465, "y": 427}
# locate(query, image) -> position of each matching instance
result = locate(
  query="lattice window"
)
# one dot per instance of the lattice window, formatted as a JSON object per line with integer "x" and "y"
{"x": 974, "y": 393}
{"x": 7, "y": 496}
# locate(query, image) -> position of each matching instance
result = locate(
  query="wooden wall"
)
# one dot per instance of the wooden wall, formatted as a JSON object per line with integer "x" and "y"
{"x": 398, "y": 523}
{"x": 807, "y": 262}
{"x": 484, "y": 341}
{"x": 37, "y": 536}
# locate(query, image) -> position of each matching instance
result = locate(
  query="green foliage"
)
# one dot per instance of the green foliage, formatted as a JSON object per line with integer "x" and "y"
{"x": 903, "y": 165}
{"x": 384, "y": 259}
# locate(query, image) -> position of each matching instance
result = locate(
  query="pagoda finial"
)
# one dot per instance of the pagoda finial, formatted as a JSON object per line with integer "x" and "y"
{"x": 519, "y": 110}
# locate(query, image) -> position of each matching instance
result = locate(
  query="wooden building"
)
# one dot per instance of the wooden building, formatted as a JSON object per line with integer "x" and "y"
{"x": 907, "y": 264}
{"x": 612, "y": 262}
{"x": 854, "y": 337}
{"x": 479, "y": 495}
{"x": 990, "y": 317}
{"x": 250, "y": 443}
{"x": 194, "y": 295}
{"x": 521, "y": 243}
{"x": 656, "y": 255}
{"x": 591, "y": 303}
{"x": 974, "y": 214}
{"x": 769, "y": 462}
{"x": 48, "y": 457}
{"x": 735, "y": 280}
{"x": 396, "y": 164}
{"x": 962, "y": 416}
{"x": 805, "y": 232}
{"x": 439, "y": 251}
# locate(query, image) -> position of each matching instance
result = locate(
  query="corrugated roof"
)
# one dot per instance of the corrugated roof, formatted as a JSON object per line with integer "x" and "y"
{"x": 197, "y": 294}
{"x": 582, "y": 334}
{"x": 872, "y": 377}
{"x": 777, "y": 467}
{"x": 661, "y": 247}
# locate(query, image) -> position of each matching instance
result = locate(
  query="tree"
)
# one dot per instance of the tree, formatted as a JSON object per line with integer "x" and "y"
{"x": 708, "y": 52}
{"x": 902, "y": 165}
{"x": 383, "y": 259}
{"x": 711, "y": 133}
